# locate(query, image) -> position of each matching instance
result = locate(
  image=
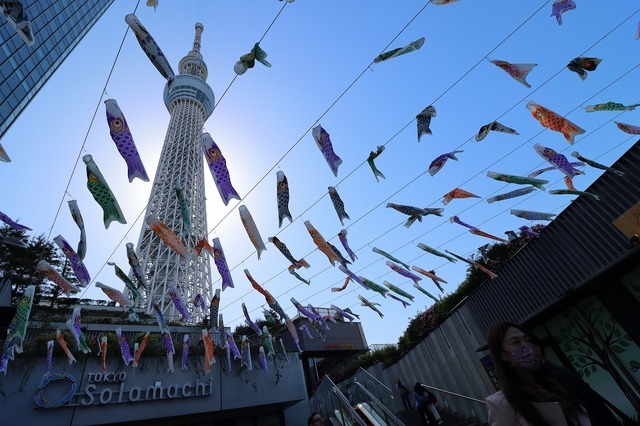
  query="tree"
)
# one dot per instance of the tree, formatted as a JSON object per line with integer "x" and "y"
{"x": 589, "y": 338}
{"x": 18, "y": 264}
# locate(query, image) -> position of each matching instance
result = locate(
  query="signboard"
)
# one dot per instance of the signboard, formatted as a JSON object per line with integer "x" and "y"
{"x": 629, "y": 222}
{"x": 110, "y": 388}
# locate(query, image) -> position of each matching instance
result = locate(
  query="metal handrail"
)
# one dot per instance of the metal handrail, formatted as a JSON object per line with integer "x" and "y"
{"x": 452, "y": 393}
{"x": 373, "y": 399}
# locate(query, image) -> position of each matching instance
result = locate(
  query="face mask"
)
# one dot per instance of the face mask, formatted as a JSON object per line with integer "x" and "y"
{"x": 527, "y": 359}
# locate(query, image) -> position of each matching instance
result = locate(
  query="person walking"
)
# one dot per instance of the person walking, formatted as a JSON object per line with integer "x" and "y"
{"x": 405, "y": 394}
{"x": 425, "y": 405}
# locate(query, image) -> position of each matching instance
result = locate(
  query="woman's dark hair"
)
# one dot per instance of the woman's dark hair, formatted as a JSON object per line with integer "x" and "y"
{"x": 418, "y": 387}
{"x": 519, "y": 394}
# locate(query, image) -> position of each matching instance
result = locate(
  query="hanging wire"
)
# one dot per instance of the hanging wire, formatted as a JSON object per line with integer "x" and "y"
{"x": 439, "y": 97}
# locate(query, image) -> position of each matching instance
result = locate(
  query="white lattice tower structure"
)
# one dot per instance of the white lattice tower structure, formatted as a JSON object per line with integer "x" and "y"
{"x": 190, "y": 101}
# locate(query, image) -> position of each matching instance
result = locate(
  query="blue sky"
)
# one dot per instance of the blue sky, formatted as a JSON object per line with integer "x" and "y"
{"x": 322, "y": 72}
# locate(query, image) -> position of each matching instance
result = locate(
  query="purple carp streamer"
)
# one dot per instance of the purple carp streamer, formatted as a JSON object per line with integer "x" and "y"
{"x": 221, "y": 264}
{"x": 76, "y": 263}
{"x": 185, "y": 351}
{"x": 248, "y": 320}
{"x": 178, "y": 303}
{"x": 559, "y": 7}
{"x": 557, "y": 160}
{"x": 404, "y": 302}
{"x": 403, "y": 272}
{"x": 121, "y": 135}
{"x": 326, "y": 148}
{"x": 47, "y": 370}
{"x": 218, "y": 167}
{"x": 15, "y": 225}
{"x": 198, "y": 302}
{"x": 439, "y": 161}
{"x": 342, "y": 236}
{"x": 124, "y": 347}
{"x": 262, "y": 359}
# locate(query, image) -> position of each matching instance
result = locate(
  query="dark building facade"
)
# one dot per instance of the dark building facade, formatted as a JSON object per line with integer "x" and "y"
{"x": 91, "y": 391}
{"x": 57, "y": 26}
{"x": 576, "y": 286}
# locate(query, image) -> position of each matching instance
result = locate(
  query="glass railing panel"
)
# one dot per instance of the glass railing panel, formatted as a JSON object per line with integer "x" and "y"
{"x": 329, "y": 402}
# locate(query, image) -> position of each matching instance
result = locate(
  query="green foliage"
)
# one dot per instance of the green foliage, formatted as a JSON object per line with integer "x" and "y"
{"x": 387, "y": 356}
{"x": 18, "y": 264}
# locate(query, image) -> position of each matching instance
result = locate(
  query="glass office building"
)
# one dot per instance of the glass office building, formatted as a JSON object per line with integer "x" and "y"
{"x": 58, "y": 26}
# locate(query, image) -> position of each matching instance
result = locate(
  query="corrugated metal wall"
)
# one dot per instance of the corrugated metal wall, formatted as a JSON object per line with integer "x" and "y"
{"x": 447, "y": 360}
{"x": 579, "y": 244}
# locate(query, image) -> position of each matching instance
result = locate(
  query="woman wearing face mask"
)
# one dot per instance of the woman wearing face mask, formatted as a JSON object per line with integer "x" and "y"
{"x": 535, "y": 392}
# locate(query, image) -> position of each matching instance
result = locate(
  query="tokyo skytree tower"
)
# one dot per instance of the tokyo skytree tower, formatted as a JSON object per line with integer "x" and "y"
{"x": 190, "y": 101}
